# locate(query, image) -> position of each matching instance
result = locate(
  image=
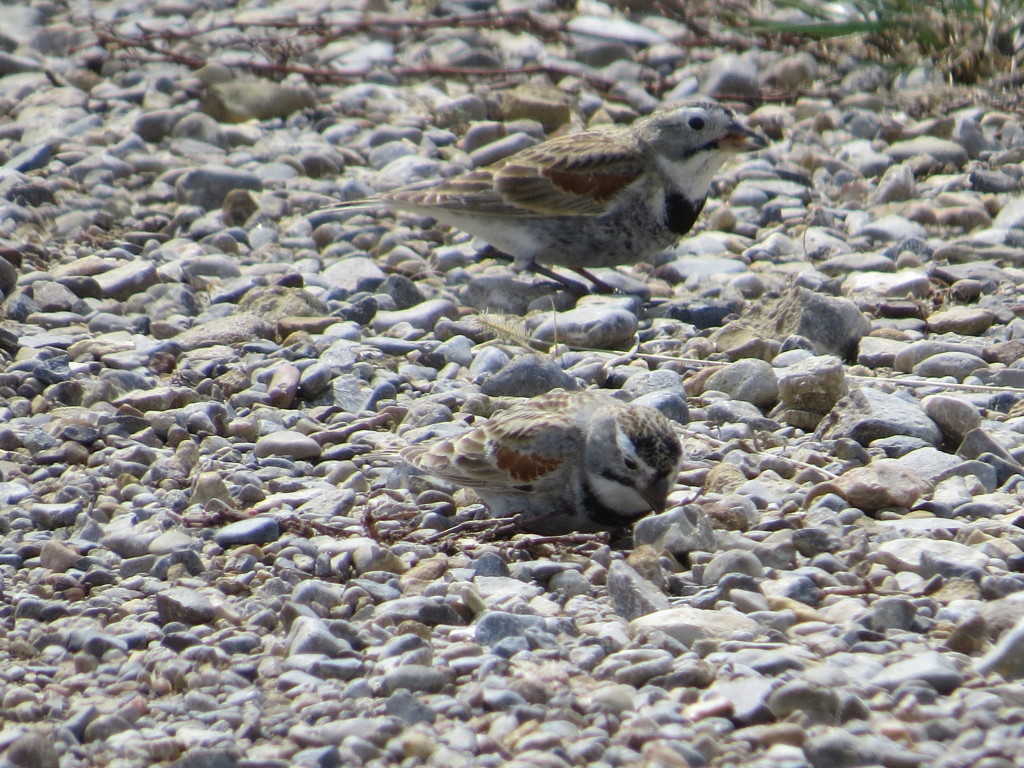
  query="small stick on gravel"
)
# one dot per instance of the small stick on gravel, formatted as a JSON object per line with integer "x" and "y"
{"x": 491, "y": 527}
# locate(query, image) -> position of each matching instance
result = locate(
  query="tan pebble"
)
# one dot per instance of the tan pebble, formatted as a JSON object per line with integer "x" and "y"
{"x": 18, "y": 695}
{"x": 427, "y": 570}
{"x": 908, "y": 260}
{"x": 969, "y": 321}
{"x": 803, "y": 612}
{"x": 884, "y": 483}
{"x": 164, "y": 749}
{"x": 964, "y": 217}
{"x": 613, "y": 697}
{"x": 772, "y": 119}
{"x": 895, "y": 730}
{"x": 826, "y": 121}
{"x": 57, "y": 556}
{"x": 419, "y": 746}
{"x": 283, "y": 385}
{"x": 712, "y": 707}
{"x": 922, "y": 213}
{"x": 723, "y": 478}
{"x": 775, "y": 733}
{"x": 890, "y": 333}
{"x": 287, "y": 442}
{"x": 722, "y": 219}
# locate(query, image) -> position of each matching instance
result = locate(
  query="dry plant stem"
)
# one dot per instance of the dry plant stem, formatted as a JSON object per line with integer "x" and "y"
{"x": 206, "y": 519}
{"x": 289, "y": 522}
{"x": 715, "y": 442}
{"x": 384, "y": 420}
{"x": 161, "y": 53}
{"x": 491, "y": 526}
{"x": 325, "y": 75}
{"x": 308, "y": 528}
{"x": 912, "y": 382}
{"x": 572, "y": 539}
{"x": 906, "y": 381}
{"x": 399, "y": 29}
{"x": 382, "y": 25}
{"x": 302, "y": 37}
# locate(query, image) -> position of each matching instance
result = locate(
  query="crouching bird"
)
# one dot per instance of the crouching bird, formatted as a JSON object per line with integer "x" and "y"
{"x": 564, "y": 461}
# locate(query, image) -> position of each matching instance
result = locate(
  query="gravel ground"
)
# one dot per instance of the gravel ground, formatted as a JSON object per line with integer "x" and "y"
{"x": 207, "y": 556}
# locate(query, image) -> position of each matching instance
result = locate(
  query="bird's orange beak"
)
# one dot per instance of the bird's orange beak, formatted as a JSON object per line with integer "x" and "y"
{"x": 739, "y": 138}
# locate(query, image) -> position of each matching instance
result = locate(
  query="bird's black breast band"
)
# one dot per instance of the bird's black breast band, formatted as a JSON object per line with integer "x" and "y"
{"x": 680, "y": 213}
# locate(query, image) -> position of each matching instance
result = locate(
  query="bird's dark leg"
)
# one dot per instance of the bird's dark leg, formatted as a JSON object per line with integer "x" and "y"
{"x": 600, "y": 286}
{"x": 572, "y": 286}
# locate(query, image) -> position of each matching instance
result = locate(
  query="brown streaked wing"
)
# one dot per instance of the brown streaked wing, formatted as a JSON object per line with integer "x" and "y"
{"x": 455, "y": 458}
{"x": 531, "y": 441}
{"x": 524, "y": 466}
{"x": 468, "y": 191}
{"x": 519, "y": 447}
{"x": 572, "y": 175}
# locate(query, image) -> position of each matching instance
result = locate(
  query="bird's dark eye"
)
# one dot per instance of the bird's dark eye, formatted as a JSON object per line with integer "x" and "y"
{"x": 631, "y": 464}
{"x": 697, "y": 123}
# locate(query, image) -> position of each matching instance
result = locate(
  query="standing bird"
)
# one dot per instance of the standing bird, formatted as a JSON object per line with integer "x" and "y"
{"x": 599, "y": 198}
{"x": 565, "y": 461}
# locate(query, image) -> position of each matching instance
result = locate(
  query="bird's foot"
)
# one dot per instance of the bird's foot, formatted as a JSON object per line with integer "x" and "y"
{"x": 575, "y": 287}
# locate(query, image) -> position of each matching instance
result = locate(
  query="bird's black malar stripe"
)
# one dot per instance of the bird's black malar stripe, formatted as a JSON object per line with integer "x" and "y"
{"x": 617, "y": 478}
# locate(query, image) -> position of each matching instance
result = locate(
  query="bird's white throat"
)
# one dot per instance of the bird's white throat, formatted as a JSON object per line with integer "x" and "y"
{"x": 692, "y": 176}
{"x": 616, "y": 496}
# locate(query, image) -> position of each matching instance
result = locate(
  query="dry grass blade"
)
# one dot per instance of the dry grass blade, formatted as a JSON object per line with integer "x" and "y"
{"x": 511, "y": 329}
{"x": 507, "y": 328}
